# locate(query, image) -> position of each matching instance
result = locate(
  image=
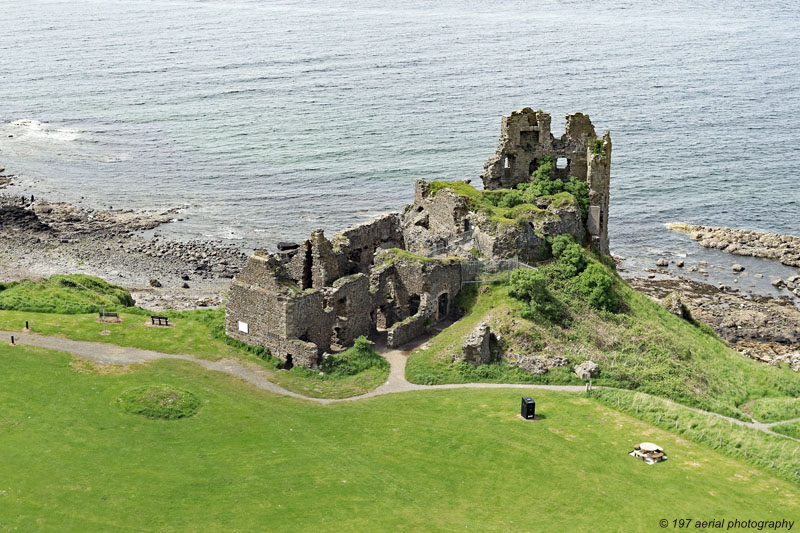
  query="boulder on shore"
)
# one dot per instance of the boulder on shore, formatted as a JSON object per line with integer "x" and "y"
{"x": 673, "y": 303}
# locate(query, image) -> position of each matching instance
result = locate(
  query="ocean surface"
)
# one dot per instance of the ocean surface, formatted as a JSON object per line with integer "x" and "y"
{"x": 266, "y": 120}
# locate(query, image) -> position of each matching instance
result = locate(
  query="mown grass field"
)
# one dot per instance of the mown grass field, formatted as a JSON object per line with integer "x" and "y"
{"x": 197, "y": 333}
{"x": 74, "y": 460}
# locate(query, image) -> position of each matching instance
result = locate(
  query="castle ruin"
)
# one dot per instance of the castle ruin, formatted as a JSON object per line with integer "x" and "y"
{"x": 525, "y": 141}
{"x": 398, "y": 275}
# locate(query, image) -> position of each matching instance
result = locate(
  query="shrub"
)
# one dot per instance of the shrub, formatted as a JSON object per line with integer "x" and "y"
{"x": 597, "y": 287}
{"x": 530, "y": 286}
{"x": 355, "y": 360}
{"x": 598, "y": 146}
{"x": 580, "y": 190}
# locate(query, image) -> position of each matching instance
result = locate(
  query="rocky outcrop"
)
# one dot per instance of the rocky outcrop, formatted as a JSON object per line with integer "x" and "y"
{"x": 783, "y": 248}
{"x": 757, "y": 326}
{"x": 674, "y": 304}
{"x": 587, "y": 370}
{"x": 477, "y": 346}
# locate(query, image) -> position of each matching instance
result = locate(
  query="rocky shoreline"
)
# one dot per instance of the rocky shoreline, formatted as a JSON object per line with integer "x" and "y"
{"x": 759, "y": 327}
{"x": 783, "y": 248}
{"x": 39, "y": 238}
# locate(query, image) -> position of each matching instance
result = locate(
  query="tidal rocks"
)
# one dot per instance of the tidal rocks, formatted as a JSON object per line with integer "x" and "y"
{"x": 587, "y": 370}
{"x": 662, "y": 262}
{"x": 737, "y": 268}
{"x": 783, "y": 248}
{"x": 737, "y": 318}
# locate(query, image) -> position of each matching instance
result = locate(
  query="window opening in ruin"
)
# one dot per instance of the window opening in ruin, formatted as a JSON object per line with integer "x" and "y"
{"x": 533, "y": 166}
{"x": 562, "y": 163}
{"x": 466, "y": 224}
{"x": 413, "y": 304}
{"x": 391, "y": 293}
{"x": 337, "y": 331}
{"x": 341, "y": 306}
{"x": 306, "y": 281}
{"x": 508, "y": 163}
{"x": 288, "y": 364}
{"x": 304, "y": 337}
{"x": 444, "y": 303}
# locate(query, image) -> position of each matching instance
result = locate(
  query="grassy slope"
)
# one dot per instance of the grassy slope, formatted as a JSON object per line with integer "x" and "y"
{"x": 646, "y": 349}
{"x": 775, "y": 409}
{"x": 73, "y": 293}
{"x": 74, "y": 460}
{"x": 792, "y": 429}
{"x": 196, "y": 333}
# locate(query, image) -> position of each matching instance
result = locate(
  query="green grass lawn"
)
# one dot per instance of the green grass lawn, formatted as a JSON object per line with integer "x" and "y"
{"x": 197, "y": 333}
{"x": 75, "y": 460}
{"x": 643, "y": 348}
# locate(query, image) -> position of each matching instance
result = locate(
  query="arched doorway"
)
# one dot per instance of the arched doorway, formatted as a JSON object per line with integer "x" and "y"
{"x": 444, "y": 305}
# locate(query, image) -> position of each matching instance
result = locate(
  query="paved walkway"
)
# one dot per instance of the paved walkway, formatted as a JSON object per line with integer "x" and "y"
{"x": 396, "y": 382}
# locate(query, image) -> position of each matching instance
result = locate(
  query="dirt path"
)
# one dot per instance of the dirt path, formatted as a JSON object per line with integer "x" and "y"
{"x": 395, "y": 383}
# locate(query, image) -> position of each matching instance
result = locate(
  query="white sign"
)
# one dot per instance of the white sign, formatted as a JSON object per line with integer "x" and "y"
{"x": 243, "y": 327}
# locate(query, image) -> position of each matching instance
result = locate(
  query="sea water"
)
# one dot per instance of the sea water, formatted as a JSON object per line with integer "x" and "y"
{"x": 266, "y": 120}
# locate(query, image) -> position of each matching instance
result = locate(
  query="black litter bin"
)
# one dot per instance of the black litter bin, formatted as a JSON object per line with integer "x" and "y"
{"x": 528, "y": 408}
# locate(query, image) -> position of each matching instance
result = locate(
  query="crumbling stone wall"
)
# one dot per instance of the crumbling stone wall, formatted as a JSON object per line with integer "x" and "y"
{"x": 299, "y": 304}
{"x": 320, "y": 295}
{"x": 525, "y": 139}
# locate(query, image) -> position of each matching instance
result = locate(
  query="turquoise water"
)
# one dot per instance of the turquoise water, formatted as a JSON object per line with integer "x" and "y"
{"x": 269, "y": 119}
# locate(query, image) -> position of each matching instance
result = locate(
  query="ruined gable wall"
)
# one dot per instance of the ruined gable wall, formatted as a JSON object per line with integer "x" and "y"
{"x": 525, "y": 139}
{"x": 257, "y": 299}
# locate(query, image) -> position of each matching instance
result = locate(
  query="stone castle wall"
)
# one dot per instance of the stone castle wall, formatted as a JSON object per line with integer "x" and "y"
{"x": 317, "y": 297}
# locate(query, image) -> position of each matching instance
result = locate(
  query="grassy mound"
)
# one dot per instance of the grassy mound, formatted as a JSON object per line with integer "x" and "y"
{"x": 159, "y": 401}
{"x": 580, "y": 309}
{"x": 65, "y": 294}
{"x": 419, "y": 461}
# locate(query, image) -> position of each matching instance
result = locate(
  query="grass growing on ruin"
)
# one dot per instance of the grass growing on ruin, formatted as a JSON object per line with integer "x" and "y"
{"x": 357, "y": 370}
{"x": 775, "y": 409}
{"x": 199, "y": 333}
{"x": 642, "y": 347}
{"x": 429, "y": 460}
{"x": 68, "y": 294}
{"x": 522, "y": 204}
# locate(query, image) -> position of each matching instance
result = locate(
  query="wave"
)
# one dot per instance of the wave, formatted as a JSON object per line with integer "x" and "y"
{"x": 35, "y": 130}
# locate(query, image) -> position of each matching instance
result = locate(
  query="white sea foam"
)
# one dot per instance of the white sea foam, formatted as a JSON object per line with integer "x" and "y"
{"x": 41, "y": 131}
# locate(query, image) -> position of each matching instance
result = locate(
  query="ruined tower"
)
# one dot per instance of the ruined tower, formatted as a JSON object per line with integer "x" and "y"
{"x": 525, "y": 140}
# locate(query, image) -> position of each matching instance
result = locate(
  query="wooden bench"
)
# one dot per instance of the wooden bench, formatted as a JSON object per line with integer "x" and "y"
{"x": 156, "y": 320}
{"x": 109, "y": 315}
